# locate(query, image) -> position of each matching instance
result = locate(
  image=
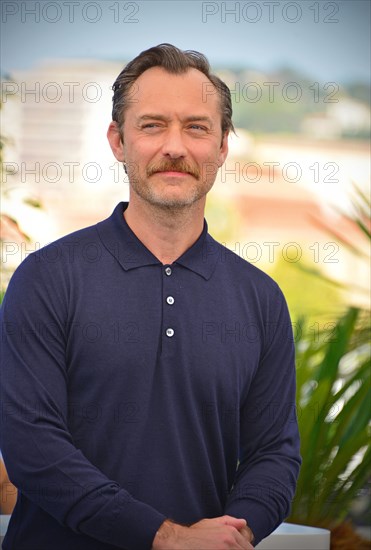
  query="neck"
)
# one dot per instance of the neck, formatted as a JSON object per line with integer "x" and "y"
{"x": 166, "y": 232}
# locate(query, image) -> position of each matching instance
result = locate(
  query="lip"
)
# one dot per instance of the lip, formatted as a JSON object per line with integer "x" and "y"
{"x": 173, "y": 174}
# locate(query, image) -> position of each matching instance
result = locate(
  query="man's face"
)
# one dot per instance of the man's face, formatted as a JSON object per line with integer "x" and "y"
{"x": 172, "y": 138}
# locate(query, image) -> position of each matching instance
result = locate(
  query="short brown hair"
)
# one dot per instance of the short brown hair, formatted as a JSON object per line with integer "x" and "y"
{"x": 174, "y": 61}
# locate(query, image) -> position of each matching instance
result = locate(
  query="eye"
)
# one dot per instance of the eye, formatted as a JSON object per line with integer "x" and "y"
{"x": 198, "y": 127}
{"x": 150, "y": 125}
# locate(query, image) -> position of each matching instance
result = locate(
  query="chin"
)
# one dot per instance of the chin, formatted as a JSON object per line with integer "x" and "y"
{"x": 174, "y": 203}
{"x": 173, "y": 200}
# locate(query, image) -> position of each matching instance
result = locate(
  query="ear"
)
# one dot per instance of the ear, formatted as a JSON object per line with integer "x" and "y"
{"x": 223, "y": 149}
{"x": 114, "y": 139}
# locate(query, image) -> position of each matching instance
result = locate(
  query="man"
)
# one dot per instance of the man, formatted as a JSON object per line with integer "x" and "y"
{"x": 148, "y": 372}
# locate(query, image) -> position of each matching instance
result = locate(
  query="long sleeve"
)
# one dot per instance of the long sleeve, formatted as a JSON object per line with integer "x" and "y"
{"x": 111, "y": 422}
{"x": 39, "y": 451}
{"x": 269, "y": 457}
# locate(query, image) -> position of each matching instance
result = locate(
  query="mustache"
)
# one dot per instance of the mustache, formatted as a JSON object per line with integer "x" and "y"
{"x": 177, "y": 165}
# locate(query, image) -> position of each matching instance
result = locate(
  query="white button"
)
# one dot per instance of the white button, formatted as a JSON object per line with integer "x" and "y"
{"x": 170, "y": 300}
{"x": 168, "y": 271}
{"x": 169, "y": 332}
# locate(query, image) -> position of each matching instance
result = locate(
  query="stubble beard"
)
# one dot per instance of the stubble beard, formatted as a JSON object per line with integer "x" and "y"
{"x": 143, "y": 187}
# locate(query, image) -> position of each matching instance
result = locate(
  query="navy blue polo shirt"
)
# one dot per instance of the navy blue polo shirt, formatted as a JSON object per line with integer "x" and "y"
{"x": 134, "y": 391}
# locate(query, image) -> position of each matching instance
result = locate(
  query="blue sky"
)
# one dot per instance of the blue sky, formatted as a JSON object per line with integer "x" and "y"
{"x": 328, "y": 41}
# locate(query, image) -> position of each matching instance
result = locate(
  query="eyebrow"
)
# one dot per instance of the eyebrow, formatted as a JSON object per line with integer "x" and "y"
{"x": 192, "y": 118}
{"x": 196, "y": 118}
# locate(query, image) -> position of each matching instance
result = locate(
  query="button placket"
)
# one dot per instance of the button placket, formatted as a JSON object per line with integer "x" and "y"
{"x": 169, "y": 323}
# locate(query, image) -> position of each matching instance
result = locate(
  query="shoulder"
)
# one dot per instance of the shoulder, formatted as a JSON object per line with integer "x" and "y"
{"x": 58, "y": 254}
{"x": 242, "y": 271}
{"x": 247, "y": 285}
{"x": 81, "y": 246}
{"x": 43, "y": 280}
{"x": 64, "y": 261}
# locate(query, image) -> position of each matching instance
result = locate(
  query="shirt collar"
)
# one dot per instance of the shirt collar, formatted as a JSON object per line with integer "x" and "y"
{"x": 131, "y": 253}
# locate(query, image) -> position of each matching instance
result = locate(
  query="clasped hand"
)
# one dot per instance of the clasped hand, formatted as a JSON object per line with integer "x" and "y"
{"x": 222, "y": 533}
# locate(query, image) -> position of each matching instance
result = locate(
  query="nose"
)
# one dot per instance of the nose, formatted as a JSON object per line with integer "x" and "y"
{"x": 173, "y": 145}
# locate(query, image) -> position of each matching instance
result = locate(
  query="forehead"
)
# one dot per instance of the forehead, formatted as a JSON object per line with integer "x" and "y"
{"x": 157, "y": 88}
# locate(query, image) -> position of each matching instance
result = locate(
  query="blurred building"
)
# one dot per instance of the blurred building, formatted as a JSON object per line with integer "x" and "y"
{"x": 281, "y": 189}
{"x": 292, "y": 199}
{"x": 347, "y": 117}
{"x": 56, "y": 117}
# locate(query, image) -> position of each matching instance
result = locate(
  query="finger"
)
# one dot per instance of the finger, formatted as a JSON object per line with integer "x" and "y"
{"x": 243, "y": 541}
{"x": 239, "y": 541}
{"x": 238, "y": 523}
{"x": 247, "y": 533}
